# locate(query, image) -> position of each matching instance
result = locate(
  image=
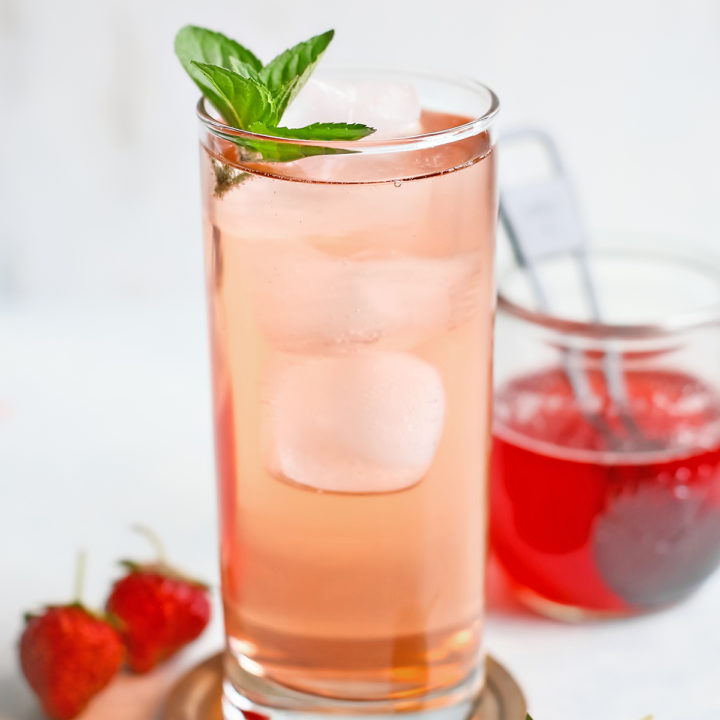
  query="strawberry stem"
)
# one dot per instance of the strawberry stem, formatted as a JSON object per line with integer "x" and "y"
{"x": 80, "y": 571}
{"x": 154, "y": 541}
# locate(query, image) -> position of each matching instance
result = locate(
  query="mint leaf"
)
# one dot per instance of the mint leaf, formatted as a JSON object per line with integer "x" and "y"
{"x": 285, "y": 152}
{"x": 240, "y": 100}
{"x": 251, "y": 97}
{"x": 196, "y": 44}
{"x": 272, "y": 151}
{"x": 285, "y": 75}
{"x": 316, "y": 131}
{"x": 245, "y": 70}
{"x": 213, "y": 48}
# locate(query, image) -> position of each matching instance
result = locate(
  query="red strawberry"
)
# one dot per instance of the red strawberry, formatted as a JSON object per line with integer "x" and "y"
{"x": 161, "y": 611}
{"x": 68, "y": 655}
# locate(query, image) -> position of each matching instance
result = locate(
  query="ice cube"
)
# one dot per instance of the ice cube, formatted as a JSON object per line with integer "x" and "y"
{"x": 307, "y": 300}
{"x": 364, "y": 423}
{"x": 321, "y": 101}
{"x": 392, "y": 108}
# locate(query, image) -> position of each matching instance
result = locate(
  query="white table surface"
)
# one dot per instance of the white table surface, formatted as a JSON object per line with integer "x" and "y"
{"x": 105, "y": 421}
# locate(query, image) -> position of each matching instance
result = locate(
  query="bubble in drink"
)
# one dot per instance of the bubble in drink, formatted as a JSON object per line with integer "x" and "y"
{"x": 363, "y": 423}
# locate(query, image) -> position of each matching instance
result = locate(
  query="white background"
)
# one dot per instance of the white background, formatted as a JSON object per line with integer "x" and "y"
{"x": 98, "y": 183}
{"x": 104, "y": 410}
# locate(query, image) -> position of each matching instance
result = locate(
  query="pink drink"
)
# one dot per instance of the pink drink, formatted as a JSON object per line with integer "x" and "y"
{"x": 352, "y": 334}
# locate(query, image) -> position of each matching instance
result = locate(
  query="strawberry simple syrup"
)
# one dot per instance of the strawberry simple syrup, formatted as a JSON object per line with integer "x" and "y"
{"x": 607, "y": 525}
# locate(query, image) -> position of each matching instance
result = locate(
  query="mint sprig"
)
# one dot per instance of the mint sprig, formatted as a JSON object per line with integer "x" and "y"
{"x": 316, "y": 131}
{"x": 194, "y": 44}
{"x": 285, "y": 75}
{"x": 214, "y": 48}
{"x": 241, "y": 101}
{"x": 253, "y": 97}
{"x": 284, "y": 152}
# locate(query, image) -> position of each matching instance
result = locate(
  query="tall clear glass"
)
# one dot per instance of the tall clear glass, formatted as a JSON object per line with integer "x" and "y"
{"x": 351, "y": 303}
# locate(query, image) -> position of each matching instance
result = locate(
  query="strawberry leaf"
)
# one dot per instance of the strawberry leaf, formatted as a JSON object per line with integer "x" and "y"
{"x": 161, "y": 568}
{"x": 240, "y": 100}
{"x": 285, "y": 75}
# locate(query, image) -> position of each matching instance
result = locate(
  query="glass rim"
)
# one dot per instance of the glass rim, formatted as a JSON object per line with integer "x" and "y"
{"x": 677, "y": 323}
{"x": 366, "y": 146}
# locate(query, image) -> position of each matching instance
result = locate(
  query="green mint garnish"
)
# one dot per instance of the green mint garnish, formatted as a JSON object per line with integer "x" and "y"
{"x": 241, "y": 101}
{"x": 289, "y": 71}
{"x": 316, "y": 131}
{"x": 212, "y": 48}
{"x": 253, "y": 97}
{"x": 284, "y": 152}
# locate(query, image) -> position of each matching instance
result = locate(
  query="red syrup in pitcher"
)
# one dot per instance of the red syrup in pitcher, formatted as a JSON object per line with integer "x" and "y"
{"x": 582, "y": 520}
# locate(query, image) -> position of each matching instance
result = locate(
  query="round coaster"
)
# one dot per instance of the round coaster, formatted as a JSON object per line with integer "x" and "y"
{"x": 197, "y": 694}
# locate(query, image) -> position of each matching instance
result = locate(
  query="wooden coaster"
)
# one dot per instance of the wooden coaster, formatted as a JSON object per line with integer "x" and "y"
{"x": 197, "y": 694}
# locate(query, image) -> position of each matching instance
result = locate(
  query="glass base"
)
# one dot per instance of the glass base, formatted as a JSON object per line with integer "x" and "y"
{"x": 574, "y": 614}
{"x": 244, "y": 691}
{"x": 200, "y": 695}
